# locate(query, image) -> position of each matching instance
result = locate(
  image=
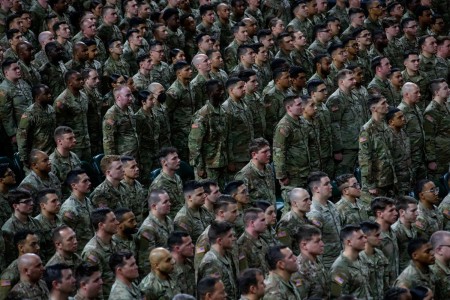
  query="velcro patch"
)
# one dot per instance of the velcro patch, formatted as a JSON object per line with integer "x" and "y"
{"x": 419, "y": 224}
{"x": 200, "y": 250}
{"x": 93, "y": 258}
{"x": 339, "y": 280}
{"x": 362, "y": 139}
{"x": 334, "y": 108}
{"x": 68, "y": 215}
{"x": 281, "y": 234}
{"x": 5, "y": 282}
{"x": 447, "y": 212}
{"x": 194, "y": 126}
{"x": 316, "y": 222}
{"x": 298, "y": 282}
{"x": 429, "y": 118}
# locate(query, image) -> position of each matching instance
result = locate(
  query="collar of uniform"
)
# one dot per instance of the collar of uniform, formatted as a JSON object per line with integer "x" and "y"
{"x": 105, "y": 247}
{"x": 221, "y": 258}
{"x": 428, "y": 211}
{"x": 445, "y": 268}
{"x": 319, "y": 206}
{"x": 263, "y": 173}
{"x": 158, "y": 222}
{"x": 173, "y": 179}
{"x": 352, "y": 205}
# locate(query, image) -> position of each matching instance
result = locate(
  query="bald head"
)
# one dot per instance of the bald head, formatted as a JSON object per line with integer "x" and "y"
{"x": 26, "y": 260}
{"x": 408, "y": 87}
{"x": 199, "y": 58}
{"x": 155, "y": 87}
{"x": 440, "y": 238}
{"x": 45, "y": 37}
{"x": 297, "y": 193}
{"x": 221, "y": 6}
{"x": 158, "y": 255}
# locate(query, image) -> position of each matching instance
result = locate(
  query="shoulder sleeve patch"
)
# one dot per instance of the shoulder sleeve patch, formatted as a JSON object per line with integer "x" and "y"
{"x": 241, "y": 256}
{"x": 419, "y": 224}
{"x": 338, "y": 279}
{"x": 5, "y": 282}
{"x": 316, "y": 223}
{"x": 199, "y": 249}
{"x": 362, "y": 139}
{"x": 69, "y": 215}
{"x": 447, "y": 212}
{"x": 146, "y": 235}
{"x": 429, "y": 118}
{"x": 298, "y": 282}
{"x": 184, "y": 226}
{"x": 93, "y": 258}
{"x": 194, "y": 126}
{"x": 109, "y": 122}
{"x": 281, "y": 234}
{"x": 334, "y": 108}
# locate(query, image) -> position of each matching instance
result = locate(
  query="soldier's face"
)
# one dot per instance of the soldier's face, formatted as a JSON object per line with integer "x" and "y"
{"x": 271, "y": 215}
{"x": 424, "y": 254}
{"x": 411, "y": 213}
{"x": 83, "y": 185}
{"x": 310, "y": 109}
{"x": 242, "y": 195}
{"x": 303, "y": 201}
{"x": 163, "y": 206}
{"x": 187, "y": 247}
{"x": 115, "y": 170}
{"x": 398, "y": 121}
{"x": 94, "y": 285}
{"x": 68, "y": 282}
{"x": 131, "y": 169}
{"x": 325, "y": 188}
{"x": 214, "y": 194}
{"x": 172, "y": 161}
{"x": 389, "y": 214}
{"x": 228, "y": 240}
{"x": 353, "y": 189}
{"x": 289, "y": 260}
{"x": 167, "y": 263}
{"x": 67, "y": 141}
{"x": 219, "y": 292}
{"x": 52, "y": 205}
{"x": 374, "y": 238}
{"x": 358, "y": 240}
{"x": 13, "y": 73}
{"x": 397, "y": 79}
{"x": 9, "y": 178}
{"x": 68, "y": 241}
{"x": 128, "y": 224}
{"x": 198, "y": 197}
{"x": 35, "y": 269}
{"x": 43, "y": 163}
{"x": 263, "y": 155}
{"x": 231, "y": 213}
{"x": 430, "y": 193}
{"x": 260, "y": 224}
{"x": 31, "y": 244}
{"x": 76, "y": 81}
{"x": 111, "y": 224}
{"x": 444, "y": 91}
{"x": 260, "y": 286}
{"x": 130, "y": 269}
{"x": 315, "y": 246}
{"x": 92, "y": 81}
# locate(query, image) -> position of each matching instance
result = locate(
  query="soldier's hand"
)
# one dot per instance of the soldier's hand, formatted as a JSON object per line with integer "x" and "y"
{"x": 201, "y": 173}
{"x": 338, "y": 156}
{"x": 231, "y": 167}
{"x": 284, "y": 181}
{"x": 373, "y": 192}
{"x": 432, "y": 166}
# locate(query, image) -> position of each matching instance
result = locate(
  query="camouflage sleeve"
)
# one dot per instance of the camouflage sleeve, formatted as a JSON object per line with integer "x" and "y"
{"x": 100, "y": 199}
{"x": 279, "y": 151}
{"x": 195, "y": 142}
{"x": 7, "y": 114}
{"x": 7, "y": 280}
{"x": 93, "y": 257}
{"x": 243, "y": 255}
{"x": 316, "y": 219}
{"x": 209, "y": 268}
{"x": 171, "y": 101}
{"x": 421, "y": 226}
{"x": 109, "y": 130}
{"x": 339, "y": 282}
{"x": 24, "y": 136}
{"x": 313, "y": 149}
{"x": 282, "y": 234}
{"x": 183, "y": 223}
{"x": 69, "y": 217}
{"x": 336, "y": 115}
{"x": 229, "y": 59}
{"x": 146, "y": 243}
{"x": 365, "y": 160}
{"x": 230, "y": 141}
{"x": 430, "y": 128}
{"x": 201, "y": 247}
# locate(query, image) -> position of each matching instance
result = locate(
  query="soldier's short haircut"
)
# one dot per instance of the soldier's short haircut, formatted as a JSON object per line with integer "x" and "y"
{"x": 3, "y": 168}
{"x": 232, "y": 187}
{"x": 206, "y": 286}
{"x": 420, "y": 185}
{"x": 262, "y": 204}
{"x": 89, "y": 42}
{"x": 279, "y": 63}
{"x": 218, "y": 230}
{"x": 85, "y": 72}
{"x": 165, "y": 151}
{"x": 423, "y": 39}
{"x": 369, "y": 226}
{"x": 313, "y": 84}
{"x": 263, "y": 33}
{"x": 441, "y": 40}
{"x": 136, "y": 21}
{"x": 231, "y": 82}
{"x": 11, "y": 32}
{"x": 334, "y": 47}
{"x": 199, "y": 37}
{"x": 41, "y": 196}
{"x": 142, "y": 58}
{"x": 11, "y": 18}
{"x": 358, "y": 31}
{"x": 211, "y": 84}
{"x": 274, "y": 255}
{"x": 17, "y": 195}
{"x": 438, "y": 238}
{"x": 130, "y": 33}
{"x": 405, "y": 22}
{"x": 318, "y": 28}
{"x": 389, "y": 22}
{"x": 21, "y": 235}
{"x": 257, "y": 47}
{"x": 203, "y": 9}
{"x": 7, "y": 64}
{"x": 243, "y": 49}
{"x": 180, "y": 65}
{"x": 117, "y": 259}
{"x": 106, "y": 162}
{"x": 391, "y": 7}
{"x": 34, "y": 156}
{"x": 60, "y": 131}
{"x": 289, "y": 100}
{"x": 376, "y": 62}
{"x": 222, "y": 203}
{"x": 98, "y": 216}
{"x": 403, "y": 202}
{"x": 354, "y": 11}
{"x": 235, "y": 27}
{"x": 374, "y": 99}
{"x": 278, "y": 72}
{"x": 248, "y": 279}
{"x": 72, "y": 176}
{"x": 318, "y": 58}
{"x": 435, "y": 85}
{"x": 54, "y": 273}
{"x": 342, "y": 74}
{"x": 38, "y": 90}
{"x": 257, "y": 144}
{"x": 69, "y": 74}
{"x": 342, "y": 180}
{"x": 207, "y": 185}
{"x": 56, "y": 233}
{"x": 314, "y": 179}
{"x": 154, "y": 197}
{"x": 306, "y": 233}
{"x": 347, "y": 231}
{"x": 190, "y": 186}
{"x": 58, "y": 24}
{"x": 176, "y": 239}
{"x": 414, "y": 245}
{"x": 84, "y": 271}
{"x": 420, "y": 9}
{"x": 112, "y": 41}
{"x": 120, "y": 212}
{"x": 281, "y": 36}
{"x": 380, "y": 204}
{"x": 251, "y": 214}
{"x": 294, "y": 71}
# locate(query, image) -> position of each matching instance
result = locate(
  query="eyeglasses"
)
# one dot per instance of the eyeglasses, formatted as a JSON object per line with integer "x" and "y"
{"x": 26, "y": 201}
{"x": 356, "y": 185}
{"x": 433, "y": 190}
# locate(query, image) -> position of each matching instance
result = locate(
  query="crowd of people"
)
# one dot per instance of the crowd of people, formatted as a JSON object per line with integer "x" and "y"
{"x": 336, "y": 112}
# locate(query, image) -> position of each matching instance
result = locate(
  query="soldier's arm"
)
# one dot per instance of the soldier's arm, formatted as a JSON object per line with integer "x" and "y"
{"x": 109, "y": 130}
{"x": 430, "y": 128}
{"x": 339, "y": 281}
{"x": 195, "y": 143}
{"x": 421, "y": 226}
{"x": 93, "y": 257}
{"x": 7, "y": 281}
{"x": 171, "y": 101}
{"x": 279, "y": 151}
{"x": 209, "y": 268}
{"x": 24, "y": 137}
{"x": 283, "y": 235}
{"x": 243, "y": 255}
{"x": 336, "y": 115}
{"x": 146, "y": 243}
{"x": 313, "y": 149}
{"x": 229, "y": 59}
{"x": 365, "y": 160}
{"x": 99, "y": 199}
{"x": 69, "y": 218}
{"x": 7, "y": 114}
{"x": 183, "y": 223}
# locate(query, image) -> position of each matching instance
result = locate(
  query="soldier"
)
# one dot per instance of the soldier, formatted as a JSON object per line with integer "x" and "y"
{"x": 15, "y": 97}
{"x": 262, "y": 65}
{"x": 115, "y": 64}
{"x": 253, "y": 100}
{"x": 346, "y": 120}
{"x": 155, "y": 229}
{"x": 100, "y": 248}
{"x": 126, "y": 272}
{"x": 293, "y": 219}
{"x": 300, "y": 55}
{"x": 325, "y": 216}
{"x": 66, "y": 245}
{"x": 40, "y": 176}
{"x": 25, "y": 241}
{"x": 444, "y": 208}
{"x": 239, "y": 191}
{"x": 53, "y": 71}
{"x": 418, "y": 272}
{"x": 36, "y": 125}
{"x": 240, "y": 117}
{"x": 202, "y": 64}
{"x": 143, "y": 78}
{"x": 373, "y": 260}
{"x": 396, "y": 83}
{"x": 76, "y": 210}
{"x": 350, "y": 207}
{"x": 7, "y": 181}
{"x": 45, "y": 37}
{"x": 414, "y": 129}
{"x": 383, "y": 209}
{"x": 400, "y": 150}
{"x": 182, "y": 249}
{"x": 60, "y": 280}
{"x": 80, "y": 57}
{"x": 230, "y": 53}
{"x": 375, "y": 158}
{"x": 321, "y": 37}
{"x": 357, "y": 20}
{"x": 406, "y": 207}
{"x": 208, "y": 137}
{"x": 428, "y": 61}
{"x": 88, "y": 31}
{"x": 207, "y": 24}
{"x": 210, "y": 288}
{"x": 108, "y": 28}
{"x": 158, "y": 284}
{"x": 136, "y": 194}
{"x": 301, "y": 22}
{"x": 282, "y": 264}
{"x": 348, "y": 274}
{"x": 168, "y": 179}
{"x": 30, "y": 285}
{"x": 212, "y": 192}
{"x": 125, "y": 237}
{"x": 393, "y": 51}
{"x": 251, "y": 284}
{"x": 181, "y": 106}
{"x": 160, "y": 70}
{"x": 430, "y": 218}
{"x": 63, "y": 36}
{"x": 439, "y": 240}
{"x": 414, "y": 75}
{"x": 119, "y": 125}
{"x": 436, "y": 125}
{"x": 25, "y": 55}
{"x": 48, "y": 220}
{"x": 217, "y": 262}
{"x": 252, "y": 247}
{"x": 381, "y": 67}
{"x": 89, "y": 282}
{"x": 175, "y": 36}
{"x": 311, "y": 279}
{"x": 217, "y": 71}
{"x": 291, "y": 140}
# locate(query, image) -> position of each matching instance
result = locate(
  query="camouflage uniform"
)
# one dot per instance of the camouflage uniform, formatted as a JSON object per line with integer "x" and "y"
{"x": 207, "y": 142}
{"x": 444, "y": 208}
{"x": 394, "y": 53}
{"x": 162, "y": 118}
{"x": 423, "y": 83}
{"x": 291, "y": 151}
{"x": 152, "y": 287}
{"x": 327, "y": 219}
{"x": 230, "y": 55}
{"x": 141, "y": 81}
{"x": 226, "y": 33}
{"x": 403, "y": 236}
{"x": 377, "y": 265}
{"x": 108, "y": 32}
{"x": 349, "y": 277}
{"x": 240, "y": 118}
{"x": 131, "y": 57}
{"x": 126, "y": 244}
{"x": 94, "y": 119}
{"x": 53, "y": 76}
{"x": 254, "y": 103}
{"x": 33, "y": 183}
{"x": 305, "y": 26}
{"x": 106, "y": 195}
{"x": 160, "y": 73}
{"x": 76, "y": 214}
{"x": 436, "y": 125}
{"x": 191, "y": 220}
{"x": 213, "y": 264}
{"x": 5, "y": 208}
{"x": 428, "y": 221}
{"x": 273, "y": 100}
{"x": 119, "y": 66}
{"x": 180, "y": 108}
{"x": 174, "y": 188}
{"x": 152, "y": 234}
{"x": 220, "y": 75}
{"x": 148, "y": 132}
{"x": 98, "y": 253}
{"x": 311, "y": 279}
{"x": 136, "y": 198}
{"x": 46, "y": 241}
{"x": 384, "y": 87}
{"x": 26, "y": 290}
{"x": 182, "y": 275}
{"x": 322, "y": 123}
{"x": 252, "y": 252}
{"x": 441, "y": 274}
{"x": 61, "y": 166}
{"x": 35, "y": 130}
{"x": 346, "y": 121}
{"x": 286, "y": 229}
{"x": 408, "y": 45}
{"x": 121, "y": 291}
{"x": 427, "y": 66}
{"x": 15, "y": 98}
{"x": 263, "y": 74}
{"x": 303, "y": 58}
{"x": 119, "y": 132}
{"x": 260, "y": 184}
{"x": 352, "y": 213}
{"x": 197, "y": 86}
{"x": 401, "y": 155}
{"x": 278, "y": 289}
{"x": 389, "y": 246}
{"x": 73, "y": 261}
{"x": 9, "y": 278}
{"x": 416, "y": 134}
{"x": 175, "y": 39}
{"x": 412, "y": 277}
{"x": 317, "y": 47}
{"x": 71, "y": 110}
